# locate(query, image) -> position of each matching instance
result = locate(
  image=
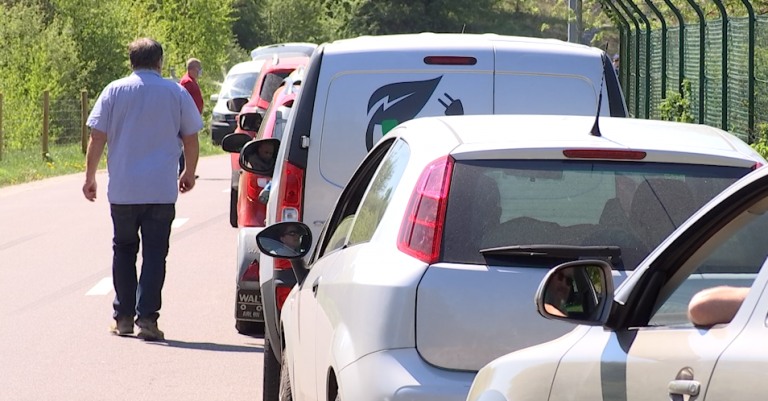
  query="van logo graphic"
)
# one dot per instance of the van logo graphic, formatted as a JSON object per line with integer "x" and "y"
{"x": 400, "y": 102}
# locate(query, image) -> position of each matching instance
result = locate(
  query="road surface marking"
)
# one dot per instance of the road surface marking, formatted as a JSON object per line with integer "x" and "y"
{"x": 227, "y": 190}
{"x": 179, "y": 222}
{"x": 104, "y": 287}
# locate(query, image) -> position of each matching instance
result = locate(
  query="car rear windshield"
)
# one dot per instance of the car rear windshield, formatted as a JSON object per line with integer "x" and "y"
{"x": 239, "y": 85}
{"x": 635, "y": 206}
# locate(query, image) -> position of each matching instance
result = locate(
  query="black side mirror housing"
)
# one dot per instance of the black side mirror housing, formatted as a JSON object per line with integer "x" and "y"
{"x": 579, "y": 292}
{"x": 287, "y": 240}
{"x": 235, "y": 104}
{"x": 233, "y": 143}
{"x": 259, "y": 157}
{"x": 250, "y": 121}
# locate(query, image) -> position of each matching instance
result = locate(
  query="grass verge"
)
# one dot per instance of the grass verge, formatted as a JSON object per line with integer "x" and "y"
{"x": 20, "y": 166}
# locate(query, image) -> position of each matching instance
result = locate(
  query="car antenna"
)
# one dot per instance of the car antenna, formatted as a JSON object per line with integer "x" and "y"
{"x": 596, "y": 126}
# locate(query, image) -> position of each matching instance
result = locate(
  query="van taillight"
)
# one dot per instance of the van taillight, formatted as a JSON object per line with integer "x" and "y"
{"x": 757, "y": 166}
{"x": 281, "y": 293}
{"x": 604, "y": 154}
{"x": 422, "y": 229}
{"x": 282, "y": 264}
{"x": 289, "y": 198}
{"x": 252, "y": 272}
{"x": 449, "y": 60}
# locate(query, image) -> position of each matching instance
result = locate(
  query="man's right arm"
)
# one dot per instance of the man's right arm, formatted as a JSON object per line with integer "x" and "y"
{"x": 716, "y": 305}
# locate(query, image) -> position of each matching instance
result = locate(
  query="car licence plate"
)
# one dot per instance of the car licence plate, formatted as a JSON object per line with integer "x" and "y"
{"x": 249, "y": 305}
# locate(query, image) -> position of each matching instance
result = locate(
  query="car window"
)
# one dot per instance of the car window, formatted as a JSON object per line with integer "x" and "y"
{"x": 734, "y": 262}
{"x": 270, "y": 84}
{"x": 339, "y": 224}
{"x": 634, "y": 206}
{"x": 263, "y": 127}
{"x": 379, "y": 193}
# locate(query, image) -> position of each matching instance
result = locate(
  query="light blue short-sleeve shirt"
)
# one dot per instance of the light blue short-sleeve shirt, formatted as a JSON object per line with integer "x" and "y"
{"x": 143, "y": 116}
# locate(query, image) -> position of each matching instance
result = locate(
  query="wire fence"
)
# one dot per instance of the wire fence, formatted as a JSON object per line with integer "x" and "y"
{"x": 727, "y": 68}
{"x": 43, "y": 123}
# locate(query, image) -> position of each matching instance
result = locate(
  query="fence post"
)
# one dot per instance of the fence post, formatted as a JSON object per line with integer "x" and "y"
{"x": 1, "y": 126}
{"x": 624, "y": 35}
{"x": 681, "y": 39}
{"x": 751, "y": 68}
{"x": 647, "y": 57}
{"x": 724, "y": 61}
{"x": 46, "y": 117}
{"x": 637, "y": 53}
{"x": 702, "y": 37}
{"x": 83, "y": 118}
{"x": 660, "y": 16}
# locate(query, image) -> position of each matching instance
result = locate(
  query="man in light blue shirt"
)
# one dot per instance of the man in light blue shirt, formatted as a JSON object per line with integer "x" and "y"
{"x": 140, "y": 118}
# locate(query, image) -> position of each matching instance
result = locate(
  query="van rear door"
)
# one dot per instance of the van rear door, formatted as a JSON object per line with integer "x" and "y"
{"x": 364, "y": 93}
{"x": 560, "y": 80}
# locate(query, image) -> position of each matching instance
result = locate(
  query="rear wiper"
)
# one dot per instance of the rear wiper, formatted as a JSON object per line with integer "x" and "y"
{"x": 554, "y": 251}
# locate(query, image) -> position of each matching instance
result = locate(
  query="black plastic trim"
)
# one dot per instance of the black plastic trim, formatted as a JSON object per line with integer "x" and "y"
{"x": 612, "y": 86}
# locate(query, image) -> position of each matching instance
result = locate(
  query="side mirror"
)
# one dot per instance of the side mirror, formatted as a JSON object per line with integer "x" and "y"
{"x": 579, "y": 292}
{"x": 259, "y": 157}
{"x": 250, "y": 121}
{"x": 214, "y": 98}
{"x": 234, "y": 105}
{"x": 233, "y": 143}
{"x": 287, "y": 240}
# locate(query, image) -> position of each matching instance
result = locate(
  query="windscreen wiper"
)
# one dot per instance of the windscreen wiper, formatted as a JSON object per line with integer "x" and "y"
{"x": 554, "y": 251}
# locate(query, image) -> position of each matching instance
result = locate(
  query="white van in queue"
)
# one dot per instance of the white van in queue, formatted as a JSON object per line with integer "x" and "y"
{"x": 357, "y": 90}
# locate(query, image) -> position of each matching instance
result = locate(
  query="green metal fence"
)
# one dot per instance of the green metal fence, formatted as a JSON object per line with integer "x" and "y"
{"x": 722, "y": 53}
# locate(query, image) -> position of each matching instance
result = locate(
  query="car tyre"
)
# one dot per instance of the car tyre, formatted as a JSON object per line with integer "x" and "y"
{"x": 272, "y": 374}
{"x": 233, "y": 207}
{"x": 285, "y": 383}
{"x": 249, "y": 328}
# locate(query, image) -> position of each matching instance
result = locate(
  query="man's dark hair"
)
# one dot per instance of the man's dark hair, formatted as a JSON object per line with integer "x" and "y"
{"x": 145, "y": 53}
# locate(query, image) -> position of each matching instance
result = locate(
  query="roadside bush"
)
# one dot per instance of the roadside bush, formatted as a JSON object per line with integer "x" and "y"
{"x": 677, "y": 107}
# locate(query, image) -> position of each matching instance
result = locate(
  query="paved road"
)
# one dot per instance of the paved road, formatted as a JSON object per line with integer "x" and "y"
{"x": 56, "y": 294}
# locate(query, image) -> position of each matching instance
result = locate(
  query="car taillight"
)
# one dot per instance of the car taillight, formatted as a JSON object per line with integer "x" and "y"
{"x": 281, "y": 293}
{"x": 757, "y": 166}
{"x": 282, "y": 264}
{"x": 289, "y": 198}
{"x": 604, "y": 154}
{"x": 252, "y": 272}
{"x": 422, "y": 229}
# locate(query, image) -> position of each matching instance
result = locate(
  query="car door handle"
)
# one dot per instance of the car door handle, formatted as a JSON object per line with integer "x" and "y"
{"x": 684, "y": 387}
{"x": 315, "y": 285}
{"x": 319, "y": 223}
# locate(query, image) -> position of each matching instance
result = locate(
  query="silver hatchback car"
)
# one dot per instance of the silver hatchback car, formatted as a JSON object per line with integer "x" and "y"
{"x": 642, "y": 343}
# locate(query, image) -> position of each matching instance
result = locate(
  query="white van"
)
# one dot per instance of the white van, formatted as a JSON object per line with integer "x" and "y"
{"x": 239, "y": 82}
{"x": 356, "y": 90}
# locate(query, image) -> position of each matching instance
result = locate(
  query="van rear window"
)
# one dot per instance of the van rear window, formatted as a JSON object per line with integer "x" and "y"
{"x": 634, "y": 206}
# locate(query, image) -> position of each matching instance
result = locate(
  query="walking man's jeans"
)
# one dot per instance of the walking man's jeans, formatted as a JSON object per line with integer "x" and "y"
{"x": 154, "y": 223}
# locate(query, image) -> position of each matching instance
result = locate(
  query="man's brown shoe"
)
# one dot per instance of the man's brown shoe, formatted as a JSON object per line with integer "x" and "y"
{"x": 123, "y": 326}
{"x": 148, "y": 331}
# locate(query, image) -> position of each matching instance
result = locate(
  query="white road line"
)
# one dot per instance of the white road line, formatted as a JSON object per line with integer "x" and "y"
{"x": 104, "y": 287}
{"x": 227, "y": 190}
{"x": 179, "y": 222}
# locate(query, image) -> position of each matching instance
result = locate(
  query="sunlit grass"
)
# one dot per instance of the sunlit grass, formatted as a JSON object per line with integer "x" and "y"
{"x": 20, "y": 166}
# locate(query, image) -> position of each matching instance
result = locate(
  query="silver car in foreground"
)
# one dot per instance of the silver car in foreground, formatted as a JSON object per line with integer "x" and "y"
{"x": 641, "y": 344}
{"x": 426, "y": 267}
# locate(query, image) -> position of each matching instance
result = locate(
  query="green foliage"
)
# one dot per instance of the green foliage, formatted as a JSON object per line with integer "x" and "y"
{"x": 677, "y": 107}
{"x": 761, "y": 145}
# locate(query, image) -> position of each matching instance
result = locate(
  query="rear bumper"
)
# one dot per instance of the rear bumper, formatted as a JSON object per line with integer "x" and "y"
{"x": 401, "y": 374}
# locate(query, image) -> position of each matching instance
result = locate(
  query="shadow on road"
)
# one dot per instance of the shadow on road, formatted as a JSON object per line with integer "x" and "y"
{"x": 210, "y": 346}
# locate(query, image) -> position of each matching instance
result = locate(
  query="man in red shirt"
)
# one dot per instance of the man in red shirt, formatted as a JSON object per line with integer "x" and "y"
{"x": 189, "y": 82}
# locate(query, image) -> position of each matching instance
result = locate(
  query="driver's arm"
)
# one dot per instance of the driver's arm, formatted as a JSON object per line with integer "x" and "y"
{"x": 716, "y": 305}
